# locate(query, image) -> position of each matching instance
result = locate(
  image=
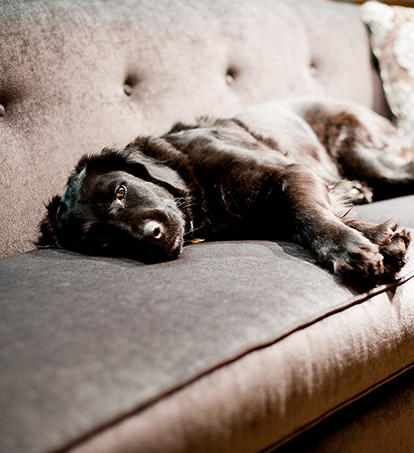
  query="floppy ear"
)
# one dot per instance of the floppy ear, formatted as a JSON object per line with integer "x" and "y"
{"x": 47, "y": 237}
{"x": 148, "y": 158}
{"x": 158, "y": 172}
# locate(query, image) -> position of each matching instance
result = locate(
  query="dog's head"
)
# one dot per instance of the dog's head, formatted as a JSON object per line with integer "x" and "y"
{"x": 119, "y": 202}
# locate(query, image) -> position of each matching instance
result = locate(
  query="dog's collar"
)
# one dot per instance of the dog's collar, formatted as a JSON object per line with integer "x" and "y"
{"x": 197, "y": 240}
{"x": 69, "y": 199}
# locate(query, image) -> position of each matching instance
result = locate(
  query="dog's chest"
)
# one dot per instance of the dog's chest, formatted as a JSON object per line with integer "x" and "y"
{"x": 239, "y": 176}
{"x": 238, "y": 192}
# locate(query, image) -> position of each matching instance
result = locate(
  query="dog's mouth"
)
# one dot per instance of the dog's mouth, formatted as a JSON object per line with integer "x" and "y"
{"x": 161, "y": 240}
{"x": 154, "y": 254}
{"x": 159, "y": 251}
{"x": 151, "y": 242}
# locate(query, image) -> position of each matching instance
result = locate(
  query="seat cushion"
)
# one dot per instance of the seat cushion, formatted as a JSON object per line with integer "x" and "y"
{"x": 235, "y": 346}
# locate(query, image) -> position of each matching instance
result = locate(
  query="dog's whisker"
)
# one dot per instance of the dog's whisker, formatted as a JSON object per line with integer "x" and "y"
{"x": 194, "y": 229}
{"x": 181, "y": 204}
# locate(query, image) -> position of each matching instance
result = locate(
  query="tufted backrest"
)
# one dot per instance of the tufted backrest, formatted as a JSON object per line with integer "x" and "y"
{"x": 77, "y": 76}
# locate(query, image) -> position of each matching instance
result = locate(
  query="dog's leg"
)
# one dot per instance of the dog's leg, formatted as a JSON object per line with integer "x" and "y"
{"x": 342, "y": 248}
{"x": 366, "y": 148}
{"x": 388, "y": 174}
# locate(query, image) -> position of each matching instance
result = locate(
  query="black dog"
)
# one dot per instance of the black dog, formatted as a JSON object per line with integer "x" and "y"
{"x": 286, "y": 170}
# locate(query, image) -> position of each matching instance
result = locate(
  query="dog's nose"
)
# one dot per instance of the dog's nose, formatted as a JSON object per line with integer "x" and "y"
{"x": 153, "y": 231}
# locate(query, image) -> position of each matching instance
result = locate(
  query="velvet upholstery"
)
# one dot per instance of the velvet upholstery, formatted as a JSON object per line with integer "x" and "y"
{"x": 234, "y": 347}
{"x": 379, "y": 422}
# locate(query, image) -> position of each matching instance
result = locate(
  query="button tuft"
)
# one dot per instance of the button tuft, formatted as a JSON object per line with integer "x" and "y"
{"x": 231, "y": 75}
{"x": 131, "y": 81}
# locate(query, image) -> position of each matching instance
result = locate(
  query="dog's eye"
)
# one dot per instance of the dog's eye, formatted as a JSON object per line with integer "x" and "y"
{"x": 120, "y": 192}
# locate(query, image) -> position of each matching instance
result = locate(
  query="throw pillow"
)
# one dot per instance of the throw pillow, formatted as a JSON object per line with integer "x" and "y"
{"x": 392, "y": 41}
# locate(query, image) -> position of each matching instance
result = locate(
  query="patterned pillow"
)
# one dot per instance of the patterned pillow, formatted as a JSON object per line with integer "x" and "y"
{"x": 392, "y": 41}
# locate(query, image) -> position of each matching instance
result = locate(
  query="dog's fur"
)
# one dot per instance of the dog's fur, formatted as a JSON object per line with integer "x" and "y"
{"x": 284, "y": 170}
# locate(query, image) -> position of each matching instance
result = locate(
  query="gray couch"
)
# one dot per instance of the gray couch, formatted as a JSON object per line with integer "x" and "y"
{"x": 236, "y": 346}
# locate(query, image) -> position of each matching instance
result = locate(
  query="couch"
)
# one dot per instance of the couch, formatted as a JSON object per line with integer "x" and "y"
{"x": 237, "y": 346}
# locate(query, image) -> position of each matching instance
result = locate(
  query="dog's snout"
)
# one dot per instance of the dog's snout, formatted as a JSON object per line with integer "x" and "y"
{"x": 153, "y": 231}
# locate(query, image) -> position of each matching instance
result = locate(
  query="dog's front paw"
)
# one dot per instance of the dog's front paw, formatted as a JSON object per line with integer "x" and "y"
{"x": 392, "y": 242}
{"x": 373, "y": 254}
{"x": 356, "y": 259}
{"x": 393, "y": 245}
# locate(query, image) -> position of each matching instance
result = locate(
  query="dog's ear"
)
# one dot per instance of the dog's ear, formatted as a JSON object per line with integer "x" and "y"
{"x": 48, "y": 224}
{"x": 161, "y": 161}
{"x": 147, "y": 158}
{"x": 158, "y": 172}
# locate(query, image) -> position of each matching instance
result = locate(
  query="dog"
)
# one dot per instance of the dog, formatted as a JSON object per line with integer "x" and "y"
{"x": 289, "y": 170}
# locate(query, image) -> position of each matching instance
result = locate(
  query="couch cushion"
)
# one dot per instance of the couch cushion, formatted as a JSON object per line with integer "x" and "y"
{"x": 233, "y": 347}
{"x": 398, "y": 210}
{"x": 79, "y": 76}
